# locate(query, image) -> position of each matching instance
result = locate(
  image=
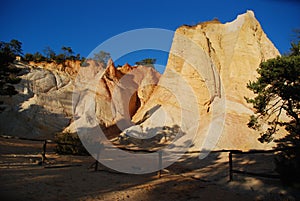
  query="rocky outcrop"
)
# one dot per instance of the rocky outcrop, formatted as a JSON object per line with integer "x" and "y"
{"x": 198, "y": 102}
{"x": 70, "y": 67}
{"x": 42, "y": 106}
{"x": 44, "y": 103}
{"x": 209, "y": 66}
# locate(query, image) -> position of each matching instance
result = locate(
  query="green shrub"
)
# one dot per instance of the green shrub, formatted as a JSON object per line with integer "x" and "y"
{"x": 69, "y": 143}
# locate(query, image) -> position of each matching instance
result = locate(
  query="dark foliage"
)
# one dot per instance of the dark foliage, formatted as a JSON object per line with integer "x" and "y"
{"x": 8, "y": 72}
{"x": 277, "y": 92}
{"x": 146, "y": 62}
{"x": 69, "y": 143}
{"x": 9, "y": 51}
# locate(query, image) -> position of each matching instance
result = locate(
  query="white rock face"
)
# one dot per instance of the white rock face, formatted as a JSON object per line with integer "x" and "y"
{"x": 208, "y": 68}
{"x": 44, "y": 103}
{"x": 42, "y": 107}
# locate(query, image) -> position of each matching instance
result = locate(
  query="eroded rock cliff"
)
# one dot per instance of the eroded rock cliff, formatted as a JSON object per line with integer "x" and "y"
{"x": 43, "y": 106}
{"x": 200, "y": 95}
{"x": 209, "y": 65}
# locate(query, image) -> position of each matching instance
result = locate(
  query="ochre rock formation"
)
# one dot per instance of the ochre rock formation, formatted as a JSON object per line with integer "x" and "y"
{"x": 216, "y": 61}
{"x": 200, "y": 95}
{"x": 44, "y": 103}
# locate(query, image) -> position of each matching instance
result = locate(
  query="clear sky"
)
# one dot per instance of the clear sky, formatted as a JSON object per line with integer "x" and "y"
{"x": 83, "y": 25}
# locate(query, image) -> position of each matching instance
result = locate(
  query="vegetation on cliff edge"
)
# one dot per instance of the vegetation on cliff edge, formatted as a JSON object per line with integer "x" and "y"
{"x": 277, "y": 91}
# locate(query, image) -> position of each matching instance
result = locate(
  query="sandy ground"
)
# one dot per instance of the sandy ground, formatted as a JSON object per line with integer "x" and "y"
{"x": 72, "y": 178}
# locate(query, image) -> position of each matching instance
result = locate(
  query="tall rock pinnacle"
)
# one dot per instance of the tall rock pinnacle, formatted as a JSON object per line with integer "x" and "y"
{"x": 216, "y": 61}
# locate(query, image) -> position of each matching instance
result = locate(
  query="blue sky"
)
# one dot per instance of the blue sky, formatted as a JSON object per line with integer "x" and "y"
{"x": 83, "y": 25}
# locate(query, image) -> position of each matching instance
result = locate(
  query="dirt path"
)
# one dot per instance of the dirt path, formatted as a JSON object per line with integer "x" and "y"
{"x": 22, "y": 178}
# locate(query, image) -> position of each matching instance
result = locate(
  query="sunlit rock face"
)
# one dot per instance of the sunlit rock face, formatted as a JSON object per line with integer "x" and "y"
{"x": 112, "y": 100}
{"x": 198, "y": 102}
{"x": 204, "y": 84}
{"x": 44, "y": 106}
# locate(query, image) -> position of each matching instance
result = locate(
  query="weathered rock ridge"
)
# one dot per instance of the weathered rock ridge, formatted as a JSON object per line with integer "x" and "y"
{"x": 44, "y": 103}
{"x": 215, "y": 61}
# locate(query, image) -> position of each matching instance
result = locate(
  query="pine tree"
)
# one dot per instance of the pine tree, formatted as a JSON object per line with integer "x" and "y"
{"x": 277, "y": 92}
{"x": 146, "y": 62}
{"x": 8, "y": 77}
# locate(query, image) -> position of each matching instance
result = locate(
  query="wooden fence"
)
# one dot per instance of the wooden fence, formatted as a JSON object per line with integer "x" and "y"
{"x": 160, "y": 160}
{"x": 238, "y": 152}
{"x": 43, "y": 141}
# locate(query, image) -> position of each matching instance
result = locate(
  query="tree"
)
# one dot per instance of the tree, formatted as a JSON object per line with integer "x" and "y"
{"x": 49, "y": 53}
{"x": 8, "y": 53}
{"x": 78, "y": 57}
{"x": 28, "y": 57}
{"x": 146, "y": 62}
{"x": 83, "y": 62}
{"x": 68, "y": 52}
{"x": 102, "y": 57}
{"x": 16, "y": 47}
{"x": 277, "y": 92}
{"x": 38, "y": 57}
{"x": 60, "y": 58}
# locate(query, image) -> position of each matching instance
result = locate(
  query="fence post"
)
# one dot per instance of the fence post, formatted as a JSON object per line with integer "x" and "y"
{"x": 101, "y": 146}
{"x": 96, "y": 165}
{"x": 230, "y": 167}
{"x": 159, "y": 163}
{"x": 44, "y": 152}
